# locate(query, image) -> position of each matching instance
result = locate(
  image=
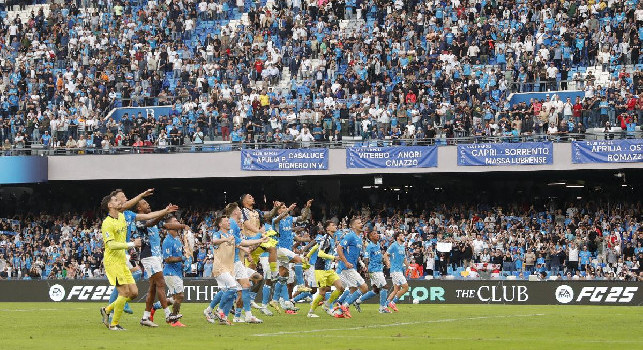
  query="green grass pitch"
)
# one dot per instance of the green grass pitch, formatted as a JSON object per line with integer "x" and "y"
{"x": 78, "y": 326}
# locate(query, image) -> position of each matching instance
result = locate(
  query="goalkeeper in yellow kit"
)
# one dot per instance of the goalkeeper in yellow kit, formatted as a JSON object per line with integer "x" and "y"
{"x": 114, "y": 230}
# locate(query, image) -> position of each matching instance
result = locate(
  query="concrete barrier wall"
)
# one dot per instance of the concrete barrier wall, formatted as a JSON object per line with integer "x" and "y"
{"x": 228, "y": 164}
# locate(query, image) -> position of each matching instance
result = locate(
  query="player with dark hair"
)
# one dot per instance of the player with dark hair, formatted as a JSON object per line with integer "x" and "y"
{"x": 252, "y": 224}
{"x": 397, "y": 255}
{"x": 324, "y": 274}
{"x": 130, "y": 223}
{"x": 242, "y": 273}
{"x": 349, "y": 251}
{"x": 284, "y": 223}
{"x": 223, "y": 253}
{"x": 375, "y": 261}
{"x": 174, "y": 256}
{"x": 114, "y": 231}
{"x": 152, "y": 260}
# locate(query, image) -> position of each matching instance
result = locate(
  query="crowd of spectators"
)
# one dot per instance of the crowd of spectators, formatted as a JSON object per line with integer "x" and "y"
{"x": 295, "y": 69}
{"x": 572, "y": 241}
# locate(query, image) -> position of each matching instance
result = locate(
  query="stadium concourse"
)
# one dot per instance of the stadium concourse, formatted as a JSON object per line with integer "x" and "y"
{"x": 496, "y": 225}
{"x": 279, "y": 71}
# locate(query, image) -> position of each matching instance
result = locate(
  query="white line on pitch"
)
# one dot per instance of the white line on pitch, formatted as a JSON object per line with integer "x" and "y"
{"x": 392, "y": 325}
{"x": 462, "y": 338}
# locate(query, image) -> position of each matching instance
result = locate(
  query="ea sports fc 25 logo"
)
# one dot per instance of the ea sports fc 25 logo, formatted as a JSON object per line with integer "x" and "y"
{"x": 603, "y": 294}
{"x": 80, "y": 293}
{"x": 564, "y": 294}
{"x": 57, "y": 292}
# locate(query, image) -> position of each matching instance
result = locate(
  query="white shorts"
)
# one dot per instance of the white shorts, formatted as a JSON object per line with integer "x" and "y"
{"x": 174, "y": 284}
{"x": 226, "y": 281}
{"x": 284, "y": 256}
{"x": 351, "y": 279}
{"x": 309, "y": 275}
{"x": 241, "y": 271}
{"x": 398, "y": 278}
{"x": 291, "y": 273}
{"x": 265, "y": 266}
{"x": 152, "y": 265}
{"x": 377, "y": 279}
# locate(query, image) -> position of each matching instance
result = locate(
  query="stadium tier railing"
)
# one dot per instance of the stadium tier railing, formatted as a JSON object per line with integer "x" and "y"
{"x": 226, "y": 146}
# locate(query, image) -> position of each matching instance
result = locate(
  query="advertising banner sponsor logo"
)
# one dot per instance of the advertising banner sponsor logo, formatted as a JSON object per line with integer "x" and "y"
{"x": 420, "y": 292}
{"x": 284, "y": 159}
{"x": 495, "y": 293}
{"x": 606, "y": 294}
{"x": 89, "y": 293}
{"x": 392, "y": 157}
{"x": 564, "y": 294}
{"x": 526, "y": 153}
{"x": 607, "y": 151}
{"x": 57, "y": 292}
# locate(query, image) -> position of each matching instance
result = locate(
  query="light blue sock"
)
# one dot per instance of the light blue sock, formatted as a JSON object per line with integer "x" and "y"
{"x": 343, "y": 297}
{"x": 366, "y": 296}
{"x": 245, "y": 297}
{"x": 217, "y": 299}
{"x": 395, "y": 299}
{"x": 354, "y": 297}
{"x": 302, "y": 296}
{"x": 265, "y": 294}
{"x": 237, "y": 312}
{"x": 383, "y": 297}
{"x": 276, "y": 293}
{"x": 284, "y": 292}
{"x": 327, "y": 295}
{"x": 299, "y": 274}
{"x": 253, "y": 296}
{"x": 227, "y": 300}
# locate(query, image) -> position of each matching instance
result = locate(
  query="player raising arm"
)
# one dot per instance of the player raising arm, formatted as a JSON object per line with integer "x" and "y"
{"x": 284, "y": 225}
{"x": 324, "y": 274}
{"x": 114, "y": 231}
{"x": 152, "y": 260}
{"x": 242, "y": 273}
{"x": 130, "y": 219}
